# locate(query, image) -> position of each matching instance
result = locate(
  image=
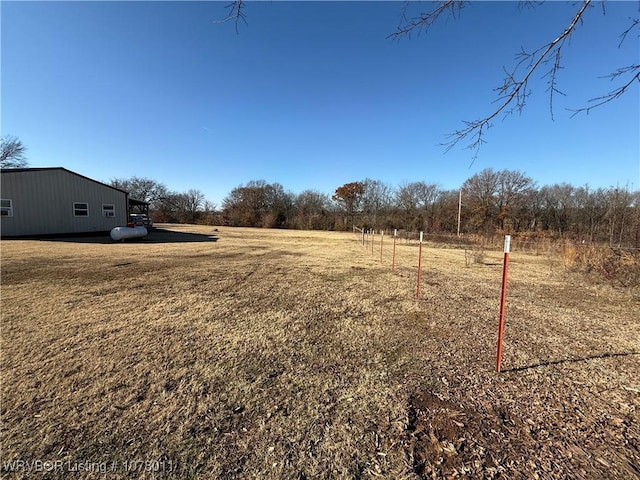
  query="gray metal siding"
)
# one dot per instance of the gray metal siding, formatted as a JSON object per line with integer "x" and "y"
{"x": 43, "y": 203}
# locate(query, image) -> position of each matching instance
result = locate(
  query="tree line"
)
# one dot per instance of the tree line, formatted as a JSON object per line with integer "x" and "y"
{"x": 165, "y": 205}
{"x": 488, "y": 203}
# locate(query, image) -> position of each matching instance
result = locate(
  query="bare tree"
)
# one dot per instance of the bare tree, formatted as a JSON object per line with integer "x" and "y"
{"x": 635, "y": 217}
{"x": 258, "y": 204}
{"x": 141, "y": 188}
{"x": 417, "y": 204}
{"x": 428, "y": 195}
{"x": 512, "y": 186}
{"x": 183, "y": 207}
{"x": 191, "y": 204}
{"x": 446, "y": 212}
{"x": 592, "y": 205}
{"x": 12, "y": 153}
{"x": 480, "y": 191}
{"x": 559, "y": 206}
{"x": 407, "y": 200}
{"x": 376, "y": 199}
{"x": 312, "y": 210}
{"x": 619, "y": 201}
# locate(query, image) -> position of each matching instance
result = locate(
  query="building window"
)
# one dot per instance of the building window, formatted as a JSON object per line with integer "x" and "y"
{"x": 108, "y": 210}
{"x": 6, "y": 208}
{"x": 80, "y": 209}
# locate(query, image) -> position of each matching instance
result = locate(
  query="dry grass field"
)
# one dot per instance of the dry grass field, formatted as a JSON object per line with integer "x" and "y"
{"x": 249, "y": 353}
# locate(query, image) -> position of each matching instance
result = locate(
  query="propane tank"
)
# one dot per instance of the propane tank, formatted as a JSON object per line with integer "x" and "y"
{"x": 126, "y": 233}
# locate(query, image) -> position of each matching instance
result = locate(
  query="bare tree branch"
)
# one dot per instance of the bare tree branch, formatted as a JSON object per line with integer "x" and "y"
{"x": 513, "y": 92}
{"x": 424, "y": 21}
{"x": 235, "y": 13}
{"x": 529, "y": 4}
{"x": 552, "y": 80}
{"x": 634, "y": 23}
{"x": 632, "y": 70}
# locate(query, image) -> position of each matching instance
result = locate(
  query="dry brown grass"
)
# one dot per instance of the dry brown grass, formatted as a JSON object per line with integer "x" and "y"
{"x": 615, "y": 266}
{"x": 289, "y": 354}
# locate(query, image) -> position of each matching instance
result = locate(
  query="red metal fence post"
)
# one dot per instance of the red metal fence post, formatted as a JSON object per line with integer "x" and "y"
{"x": 381, "y": 240}
{"x": 419, "y": 267}
{"x": 503, "y": 300}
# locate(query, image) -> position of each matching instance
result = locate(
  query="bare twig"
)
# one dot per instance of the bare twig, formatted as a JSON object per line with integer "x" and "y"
{"x": 424, "y": 21}
{"x": 552, "y": 80}
{"x": 632, "y": 70}
{"x": 513, "y": 92}
{"x": 634, "y": 23}
{"x": 531, "y": 4}
{"x": 235, "y": 13}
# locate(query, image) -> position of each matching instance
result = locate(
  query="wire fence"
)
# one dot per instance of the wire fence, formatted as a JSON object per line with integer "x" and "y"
{"x": 614, "y": 264}
{"x": 525, "y": 243}
{"x": 618, "y": 266}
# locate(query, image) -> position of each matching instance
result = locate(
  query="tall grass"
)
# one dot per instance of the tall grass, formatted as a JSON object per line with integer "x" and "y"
{"x": 616, "y": 266}
{"x": 599, "y": 263}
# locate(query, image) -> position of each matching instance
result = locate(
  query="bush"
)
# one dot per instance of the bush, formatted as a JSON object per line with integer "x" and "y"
{"x": 617, "y": 266}
{"x": 475, "y": 255}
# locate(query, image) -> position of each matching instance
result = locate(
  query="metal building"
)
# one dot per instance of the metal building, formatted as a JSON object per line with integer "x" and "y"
{"x": 47, "y": 201}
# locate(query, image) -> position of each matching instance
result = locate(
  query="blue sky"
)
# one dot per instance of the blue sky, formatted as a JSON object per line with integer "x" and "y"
{"x": 308, "y": 94}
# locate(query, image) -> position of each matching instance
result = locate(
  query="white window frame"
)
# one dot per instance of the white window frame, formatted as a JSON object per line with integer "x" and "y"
{"x": 77, "y": 209}
{"x": 108, "y": 210}
{"x": 8, "y": 209}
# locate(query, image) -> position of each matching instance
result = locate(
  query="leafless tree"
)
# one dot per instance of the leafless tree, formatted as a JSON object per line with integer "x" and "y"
{"x": 559, "y": 205}
{"x": 480, "y": 191}
{"x": 312, "y": 210}
{"x": 592, "y": 206}
{"x": 258, "y": 204}
{"x": 190, "y": 204}
{"x": 417, "y": 202}
{"x": 182, "y": 207}
{"x": 141, "y": 188}
{"x": 376, "y": 199}
{"x": 407, "y": 200}
{"x": 428, "y": 194}
{"x": 512, "y": 186}
{"x": 619, "y": 201}
{"x": 12, "y": 153}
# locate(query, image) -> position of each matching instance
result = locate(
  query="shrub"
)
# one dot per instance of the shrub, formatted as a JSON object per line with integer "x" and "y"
{"x": 617, "y": 266}
{"x": 474, "y": 255}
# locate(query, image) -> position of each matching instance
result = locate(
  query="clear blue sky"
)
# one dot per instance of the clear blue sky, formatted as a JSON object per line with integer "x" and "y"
{"x": 309, "y": 94}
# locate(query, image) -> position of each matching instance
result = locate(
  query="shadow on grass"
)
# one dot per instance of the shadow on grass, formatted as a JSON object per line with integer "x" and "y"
{"x": 156, "y": 235}
{"x": 160, "y": 235}
{"x": 569, "y": 360}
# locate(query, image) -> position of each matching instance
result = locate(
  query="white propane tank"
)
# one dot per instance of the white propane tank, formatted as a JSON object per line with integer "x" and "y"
{"x": 126, "y": 233}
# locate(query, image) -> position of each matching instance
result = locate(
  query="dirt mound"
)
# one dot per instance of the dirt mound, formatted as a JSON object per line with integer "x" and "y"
{"x": 452, "y": 440}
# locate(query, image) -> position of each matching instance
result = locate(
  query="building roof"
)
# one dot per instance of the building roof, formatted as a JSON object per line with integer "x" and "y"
{"x": 133, "y": 201}
{"x": 40, "y": 169}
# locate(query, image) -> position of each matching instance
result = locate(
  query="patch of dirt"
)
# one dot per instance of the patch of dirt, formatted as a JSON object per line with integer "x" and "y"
{"x": 448, "y": 439}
